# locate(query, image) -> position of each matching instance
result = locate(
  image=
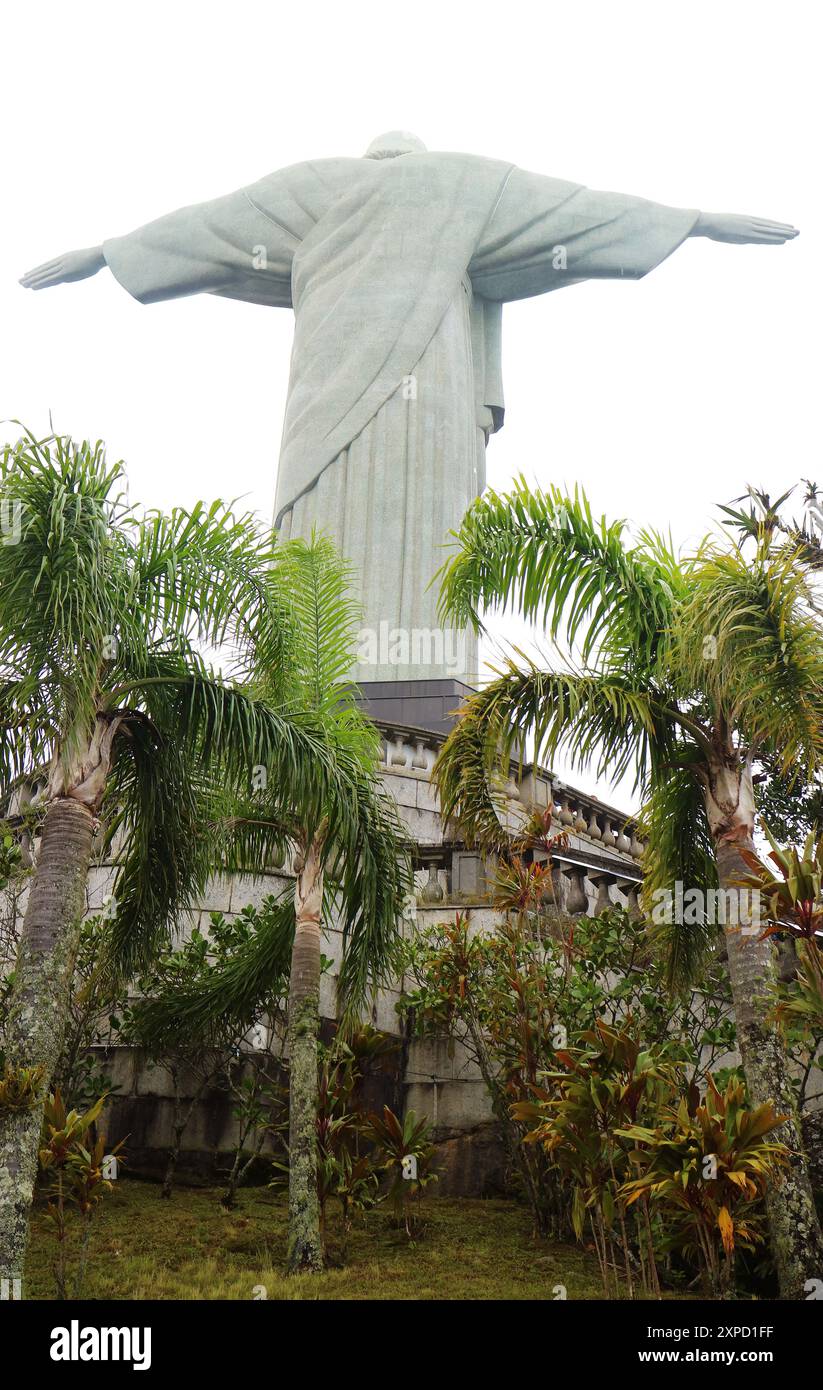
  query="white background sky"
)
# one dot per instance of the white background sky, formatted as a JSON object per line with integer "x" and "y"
{"x": 662, "y": 398}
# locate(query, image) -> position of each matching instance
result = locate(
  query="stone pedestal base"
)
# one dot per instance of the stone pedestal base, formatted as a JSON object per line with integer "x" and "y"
{"x": 426, "y": 704}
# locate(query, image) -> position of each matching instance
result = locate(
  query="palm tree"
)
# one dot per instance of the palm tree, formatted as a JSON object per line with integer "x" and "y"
{"x": 352, "y": 864}
{"x": 681, "y": 671}
{"x": 110, "y": 712}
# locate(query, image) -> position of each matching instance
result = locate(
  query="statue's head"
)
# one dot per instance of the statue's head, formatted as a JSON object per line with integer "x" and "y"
{"x": 393, "y": 143}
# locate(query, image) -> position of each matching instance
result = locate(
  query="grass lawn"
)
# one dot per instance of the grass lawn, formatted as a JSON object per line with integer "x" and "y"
{"x": 188, "y": 1248}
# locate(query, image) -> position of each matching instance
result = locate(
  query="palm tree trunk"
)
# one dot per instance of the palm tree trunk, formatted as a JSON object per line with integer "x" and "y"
{"x": 38, "y": 1005}
{"x": 796, "y": 1239}
{"x": 305, "y": 1244}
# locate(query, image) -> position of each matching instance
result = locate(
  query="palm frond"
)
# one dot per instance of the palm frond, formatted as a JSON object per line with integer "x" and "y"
{"x": 315, "y": 583}
{"x": 679, "y": 850}
{"x": 596, "y": 720}
{"x": 202, "y": 572}
{"x": 234, "y": 993}
{"x": 544, "y": 554}
{"x": 156, "y": 808}
{"x": 62, "y": 568}
{"x": 746, "y": 638}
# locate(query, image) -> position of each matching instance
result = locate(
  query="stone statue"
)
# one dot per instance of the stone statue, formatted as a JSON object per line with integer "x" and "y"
{"x": 397, "y": 266}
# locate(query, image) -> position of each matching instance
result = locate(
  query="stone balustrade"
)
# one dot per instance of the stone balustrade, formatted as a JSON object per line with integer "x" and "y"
{"x": 589, "y": 822}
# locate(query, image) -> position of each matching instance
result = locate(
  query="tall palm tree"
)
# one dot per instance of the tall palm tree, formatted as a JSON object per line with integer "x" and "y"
{"x": 682, "y": 671}
{"x": 352, "y": 861}
{"x": 108, "y": 705}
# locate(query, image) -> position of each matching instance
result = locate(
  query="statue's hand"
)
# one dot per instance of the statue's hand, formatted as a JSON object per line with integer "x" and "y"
{"x": 728, "y": 226}
{"x": 74, "y": 265}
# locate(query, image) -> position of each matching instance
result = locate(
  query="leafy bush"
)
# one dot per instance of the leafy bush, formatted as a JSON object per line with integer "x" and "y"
{"x": 72, "y": 1159}
{"x": 405, "y": 1152}
{"x": 707, "y": 1164}
{"x": 514, "y": 998}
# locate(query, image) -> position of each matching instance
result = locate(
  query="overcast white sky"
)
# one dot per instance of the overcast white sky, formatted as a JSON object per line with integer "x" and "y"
{"x": 661, "y": 398}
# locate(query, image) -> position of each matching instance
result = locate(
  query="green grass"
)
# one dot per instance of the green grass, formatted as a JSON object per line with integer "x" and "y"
{"x": 187, "y": 1248}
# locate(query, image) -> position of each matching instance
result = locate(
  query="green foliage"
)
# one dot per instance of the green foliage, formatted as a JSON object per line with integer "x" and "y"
{"x": 350, "y": 1153}
{"x": 544, "y": 554}
{"x": 21, "y": 1088}
{"x": 669, "y": 667}
{"x": 108, "y": 620}
{"x": 14, "y": 876}
{"x": 512, "y": 999}
{"x": 786, "y": 802}
{"x": 405, "y": 1153}
{"x": 576, "y": 1114}
{"x": 765, "y": 519}
{"x": 96, "y": 998}
{"x": 345, "y": 1169}
{"x": 366, "y": 852}
{"x": 791, "y": 896}
{"x": 10, "y": 857}
{"x": 706, "y": 1164}
{"x": 72, "y": 1167}
{"x": 164, "y": 1020}
{"x": 171, "y": 1008}
{"x": 652, "y": 1168}
{"x": 679, "y": 849}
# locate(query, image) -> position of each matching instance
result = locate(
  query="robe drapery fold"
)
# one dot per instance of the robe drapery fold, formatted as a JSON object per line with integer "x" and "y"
{"x": 396, "y": 270}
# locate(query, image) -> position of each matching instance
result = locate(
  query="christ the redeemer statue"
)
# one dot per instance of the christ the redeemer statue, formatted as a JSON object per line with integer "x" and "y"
{"x": 397, "y": 266}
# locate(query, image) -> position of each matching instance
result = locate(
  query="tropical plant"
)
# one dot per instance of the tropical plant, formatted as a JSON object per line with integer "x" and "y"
{"x": 197, "y": 1066}
{"x": 75, "y": 1162}
{"x": 21, "y": 1088}
{"x": 346, "y": 1162}
{"x": 575, "y": 1115}
{"x": 14, "y": 876}
{"x": 789, "y": 802}
{"x": 110, "y": 711}
{"x": 406, "y": 1154}
{"x": 258, "y": 1098}
{"x": 793, "y": 897}
{"x": 710, "y": 1163}
{"x": 95, "y": 998}
{"x": 351, "y": 858}
{"x": 345, "y": 1168}
{"x": 510, "y": 999}
{"x": 352, "y": 865}
{"x": 682, "y": 671}
{"x": 765, "y": 516}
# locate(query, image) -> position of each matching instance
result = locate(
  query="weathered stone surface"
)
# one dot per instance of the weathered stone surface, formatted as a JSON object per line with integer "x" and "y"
{"x": 403, "y": 789}
{"x": 425, "y": 827}
{"x": 384, "y": 1013}
{"x": 471, "y": 1164}
{"x": 99, "y": 888}
{"x": 248, "y": 891}
{"x": 217, "y": 897}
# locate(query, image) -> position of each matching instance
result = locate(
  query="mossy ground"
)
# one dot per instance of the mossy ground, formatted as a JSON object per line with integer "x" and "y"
{"x": 188, "y": 1248}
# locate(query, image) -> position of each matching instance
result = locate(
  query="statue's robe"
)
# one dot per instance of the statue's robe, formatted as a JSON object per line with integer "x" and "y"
{"x": 397, "y": 270}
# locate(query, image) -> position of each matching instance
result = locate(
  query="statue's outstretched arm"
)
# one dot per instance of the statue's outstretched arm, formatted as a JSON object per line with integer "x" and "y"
{"x": 546, "y": 233}
{"x": 73, "y": 265}
{"x": 227, "y": 246}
